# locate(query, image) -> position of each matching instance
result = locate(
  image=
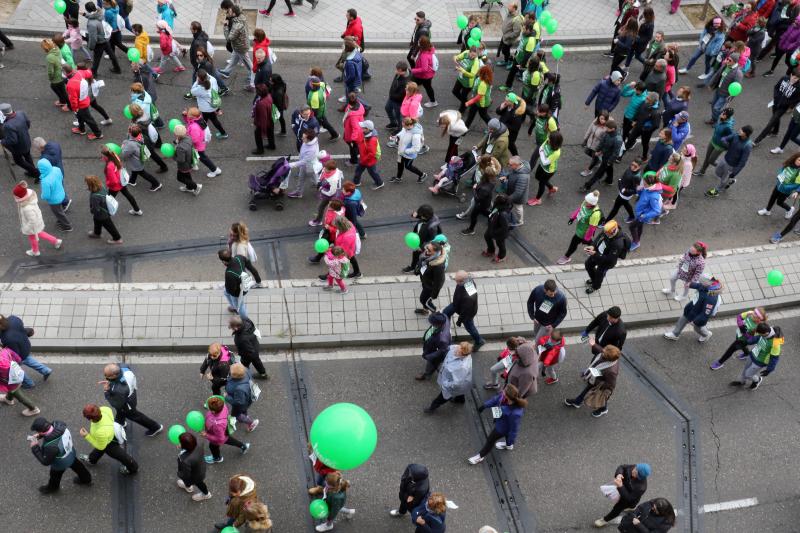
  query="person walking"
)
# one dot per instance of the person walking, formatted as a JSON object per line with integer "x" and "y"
{"x": 631, "y": 483}
{"x": 549, "y": 154}
{"x": 700, "y": 310}
{"x": 31, "y": 220}
{"x": 53, "y": 63}
{"x": 506, "y": 426}
{"x": 97, "y": 41}
{"x": 482, "y": 192}
{"x": 649, "y": 207}
{"x": 134, "y": 155}
{"x": 594, "y": 136}
{"x": 481, "y": 96}
{"x": 427, "y": 226}
{"x": 516, "y": 183}
{"x": 551, "y": 354}
{"x": 435, "y": 344}
{"x": 216, "y": 367}
{"x": 785, "y": 96}
{"x": 762, "y": 360}
{"x": 262, "y": 120}
{"x": 729, "y": 72}
{"x": 738, "y": 147}
{"x": 184, "y": 158}
{"x": 644, "y": 124}
{"x": 80, "y": 99}
{"x": 52, "y": 187}
{"x": 241, "y": 494}
{"x": 609, "y": 329}
{"x": 601, "y": 380}
{"x": 316, "y": 99}
{"x": 431, "y": 267}
{"x": 429, "y": 516}
{"x": 414, "y": 489}
{"x": 236, "y": 36}
{"x": 511, "y": 31}
{"x": 746, "y": 324}
{"x": 106, "y": 438}
{"x": 709, "y": 45}
{"x": 15, "y": 336}
{"x": 689, "y": 269}
{"x": 524, "y": 370}
{"x": 11, "y": 380}
{"x": 409, "y": 142}
{"x": 588, "y": 217}
{"x": 98, "y": 207}
{"x": 335, "y": 496}
{"x": 353, "y": 72}
{"x": 117, "y": 179}
{"x": 607, "y": 151}
{"x": 529, "y": 41}
{"x": 237, "y": 281}
{"x": 246, "y": 340}
{"x": 17, "y": 140}
{"x": 603, "y": 255}
{"x": 192, "y": 467}
{"x": 547, "y": 308}
{"x": 467, "y": 66}
{"x": 425, "y": 69}
{"x": 455, "y": 376}
{"x": 216, "y": 430}
{"x": 724, "y": 127}
{"x": 465, "y": 304}
{"x": 303, "y": 119}
{"x": 656, "y": 515}
{"x": 512, "y": 113}
{"x": 121, "y": 392}
{"x": 605, "y": 93}
{"x": 397, "y": 93}
{"x": 369, "y": 154}
{"x": 627, "y": 186}
{"x": 51, "y": 445}
{"x": 238, "y": 393}
{"x": 206, "y": 92}
{"x": 498, "y": 227}
{"x": 306, "y": 162}
{"x": 422, "y": 28}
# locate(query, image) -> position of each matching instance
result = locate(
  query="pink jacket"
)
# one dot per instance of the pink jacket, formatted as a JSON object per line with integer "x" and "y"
{"x": 686, "y": 177}
{"x": 670, "y": 78}
{"x": 744, "y": 56}
{"x": 73, "y": 37}
{"x": 424, "y": 68}
{"x": 410, "y": 106}
{"x": 196, "y": 133}
{"x": 347, "y": 241}
{"x": 217, "y": 426}
{"x": 6, "y": 356}
{"x": 352, "y": 131}
{"x": 112, "y": 177}
{"x": 335, "y": 264}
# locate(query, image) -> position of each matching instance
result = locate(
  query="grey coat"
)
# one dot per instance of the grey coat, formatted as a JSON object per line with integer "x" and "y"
{"x": 131, "y": 155}
{"x": 94, "y": 29}
{"x": 517, "y": 184}
{"x": 183, "y": 154}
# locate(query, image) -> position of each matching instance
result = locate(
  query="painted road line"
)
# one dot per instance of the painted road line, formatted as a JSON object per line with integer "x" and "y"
{"x": 730, "y": 505}
{"x": 276, "y": 157}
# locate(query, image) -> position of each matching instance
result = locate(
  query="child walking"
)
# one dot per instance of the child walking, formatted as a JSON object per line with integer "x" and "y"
{"x": 338, "y": 267}
{"x": 30, "y": 218}
{"x": 504, "y": 362}
{"x": 335, "y": 495}
{"x": 551, "y": 354}
{"x": 169, "y": 48}
{"x": 216, "y": 430}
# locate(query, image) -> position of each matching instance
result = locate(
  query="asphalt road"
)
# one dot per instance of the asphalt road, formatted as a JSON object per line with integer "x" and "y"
{"x": 178, "y": 234}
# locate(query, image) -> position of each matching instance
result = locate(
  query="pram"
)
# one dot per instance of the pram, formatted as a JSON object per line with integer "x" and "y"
{"x": 469, "y": 163}
{"x": 269, "y": 184}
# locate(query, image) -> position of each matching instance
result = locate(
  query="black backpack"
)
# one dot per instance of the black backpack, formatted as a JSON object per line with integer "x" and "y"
{"x": 626, "y": 245}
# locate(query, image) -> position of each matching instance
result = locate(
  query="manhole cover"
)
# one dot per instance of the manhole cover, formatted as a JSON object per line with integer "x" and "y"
{"x": 695, "y": 14}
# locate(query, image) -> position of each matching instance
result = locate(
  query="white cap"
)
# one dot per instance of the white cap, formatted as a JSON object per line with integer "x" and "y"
{"x": 592, "y": 198}
{"x": 616, "y": 75}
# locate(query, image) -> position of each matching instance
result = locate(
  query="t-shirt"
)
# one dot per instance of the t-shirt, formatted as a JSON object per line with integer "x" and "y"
{"x": 485, "y": 90}
{"x": 552, "y": 156}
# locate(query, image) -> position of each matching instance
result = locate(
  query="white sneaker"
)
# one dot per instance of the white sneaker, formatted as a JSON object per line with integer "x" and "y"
{"x": 501, "y": 445}
{"x": 214, "y": 173}
{"x": 431, "y": 104}
{"x": 182, "y": 485}
{"x": 32, "y": 253}
{"x": 702, "y": 76}
{"x": 764, "y": 212}
{"x": 682, "y": 71}
{"x": 106, "y": 122}
{"x": 668, "y": 292}
{"x": 348, "y": 513}
{"x": 600, "y": 523}
{"x": 704, "y": 339}
{"x": 325, "y": 526}
{"x": 679, "y": 297}
{"x": 475, "y": 459}
{"x": 183, "y": 188}
{"x": 395, "y": 513}
{"x": 669, "y": 335}
{"x": 776, "y": 150}
{"x": 75, "y": 123}
{"x": 789, "y": 213}
{"x": 342, "y": 99}
{"x": 198, "y": 497}
{"x": 135, "y": 212}
{"x": 585, "y": 173}
{"x": 59, "y": 243}
{"x": 199, "y": 188}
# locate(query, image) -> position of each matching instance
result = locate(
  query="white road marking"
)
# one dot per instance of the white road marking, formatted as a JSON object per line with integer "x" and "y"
{"x": 730, "y": 505}
{"x": 276, "y": 157}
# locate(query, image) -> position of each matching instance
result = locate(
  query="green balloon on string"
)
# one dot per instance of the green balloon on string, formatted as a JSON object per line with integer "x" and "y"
{"x": 175, "y": 432}
{"x": 321, "y": 246}
{"x": 318, "y": 509}
{"x": 174, "y": 122}
{"x": 775, "y": 278}
{"x": 133, "y": 55}
{"x": 412, "y": 240}
{"x": 343, "y": 436}
{"x": 551, "y": 26}
{"x": 544, "y": 16}
{"x": 462, "y": 22}
{"x": 735, "y": 89}
{"x": 127, "y": 112}
{"x": 476, "y": 34}
{"x": 195, "y": 420}
{"x": 167, "y": 150}
{"x": 60, "y": 6}
{"x": 557, "y": 51}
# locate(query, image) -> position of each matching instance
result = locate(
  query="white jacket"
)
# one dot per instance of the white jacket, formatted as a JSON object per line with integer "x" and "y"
{"x": 335, "y": 182}
{"x": 457, "y": 127}
{"x": 203, "y": 95}
{"x": 409, "y": 142}
{"x": 30, "y": 216}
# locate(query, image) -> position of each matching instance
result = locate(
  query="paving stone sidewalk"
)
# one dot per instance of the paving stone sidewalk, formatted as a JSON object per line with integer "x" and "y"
{"x": 376, "y": 311}
{"x": 385, "y": 22}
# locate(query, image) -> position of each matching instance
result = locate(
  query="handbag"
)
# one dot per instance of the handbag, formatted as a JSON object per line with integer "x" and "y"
{"x": 597, "y": 398}
{"x": 255, "y": 391}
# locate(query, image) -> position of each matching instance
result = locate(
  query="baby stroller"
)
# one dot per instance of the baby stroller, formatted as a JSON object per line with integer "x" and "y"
{"x": 269, "y": 184}
{"x": 469, "y": 163}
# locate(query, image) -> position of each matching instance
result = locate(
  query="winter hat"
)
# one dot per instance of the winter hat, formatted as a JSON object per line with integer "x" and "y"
{"x": 21, "y": 190}
{"x": 734, "y": 56}
{"x": 592, "y": 198}
{"x": 314, "y": 80}
{"x": 162, "y": 25}
{"x": 616, "y": 76}
{"x": 40, "y": 425}
{"x": 513, "y": 98}
{"x": 442, "y": 238}
{"x": 323, "y": 156}
{"x": 368, "y": 124}
{"x": 683, "y": 115}
{"x": 437, "y": 319}
{"x": 691, "y": 151}
{"x": 717, "y": 22}
{"x": 6, "y": 109}
{"x": 643, "y": 469}
{"x": 494, "y": 124}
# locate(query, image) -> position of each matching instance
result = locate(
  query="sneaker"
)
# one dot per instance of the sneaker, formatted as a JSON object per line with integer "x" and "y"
{"x": 348, "y": 513}
{"x": 344, "y": 291}
{"x": 712, "y": 193}
{"x": 32, "y": 253}
{"x": 755, "y": 384}
{"x": 628, "y": 220}
{"x": 702, "y": 339}
{"x": 253, "y": 426}
{"x": 475, "y": 459}
{"x": 678, "y": 298}
{"x": 6, "y": 401}
{"x": 408, "y": 269}
{"x": 776, "y": 238}
{"x": 667, "y": 291}
{"x": 563, "y": 260}
{"x": 776, "y": 150}
{"x": 200, "y": 496}
{"x": 155, "y": 431}
{"x": 634, "y": 246}
{"x": 156, "y": 188}
{"x": 106, "y": 122}
{"x": 585, "y": 173}
{"x": 93, "y": 235}
{"x": 59, "y": 242}
{"x": 698, "y": 173}
{"x": 182, "y": 485}
{"x": 219, "y": 135}
{"x": 503, "y": 88}
{"x": 702, "y": 76}
{"x": 376, "y": 187}
{"x": 342, "y": 99}
{"x": 124, "y": 471}
{"x": 766, "y": 212}
{"x": 716, "y": 365}
{"x": 85, "y": 458}
{"x": 461, "y": 216}
{"x": 741, "y": 356}
{"x": 199, "y": 188}
{"x": 767, "y": 74}
{"x": 789, "y": 213}
{"x": 534, "y": 202}
{"x": 31, "y": 412}
{"x": 224, "y": 91}
{"x": 571, "y": 403}
{"x": 295, "y": 194}
{"x": 467, "y": 231}
{"x": 264, "y": 12}
{"x": 501, "y": 445}
{"x": 600, "y": 412}
{"x": 395, "y": 513}
{"x": 422, "y": 178}
{"x": 290, "y": 14}
{"x": 314, "y": 223}
{"x": 335, "y": 137}
{"x": 431, "y": 104}
{"x": 77, "y": 131}
{"x": 498, "y": 260}
{"x": 325, "y": 526}
{"x": 135, "y": 212}
{"x": 93, "y": 137}
{"x": 395, "y": 179}
{"x": 214, "y": 173}
{"x": 590, "y": 290}
{"x": 183, "y": 188}
{"x": 209, "y": 459}
{"x": 670, "y": 335}
{"x": 550, "y": 381}
{"x": 682, "y": 71}
{"x": 600, "y": 523}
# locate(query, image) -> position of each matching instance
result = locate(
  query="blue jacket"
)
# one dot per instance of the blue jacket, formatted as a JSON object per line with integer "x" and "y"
{"x": 672, "y": 108}
{"x": 508, "y": 424}
{"x": 679, "y": 133}
{"x": 607, "y": 95}
{"x": 700, "y": 311}
{"x": 237, "y": 392}
{"x": 15, "y": 337}
{"x": 738, "y": 152}
{"x": 434, "y": 522}
{"x": 557, "y": 305}
{"x": 636, "y": 100}
{"x": 721, "y": 130}
{"x": 110, "y": 16}
{"x": 715, "y": 44}
{"x": 52, "y": 182}
{"x": 648, "y": 207}
{"x": 351, "y": 205}
{"x": 352, "y": 70}
{"x": 659, "y": 156}
{"x": 52, "y": 152}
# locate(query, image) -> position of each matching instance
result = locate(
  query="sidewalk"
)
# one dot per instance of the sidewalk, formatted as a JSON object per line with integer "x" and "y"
{"x": 377, "y": 311}
{"x": 386, "y": 23}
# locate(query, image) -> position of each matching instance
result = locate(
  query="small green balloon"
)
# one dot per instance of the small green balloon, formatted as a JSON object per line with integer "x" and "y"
{"x": 735, "y": 89}
{"x": 318, "y": 509}
{"x": 321, "y": 246}
{"x": 551, "y": 26}
{"x": 538, "y": 2}
{"x": 60, "y": 6}
{"x": 476, "y": 34}
{"x": 461, "y": 21}
{"x": 230, "y": 529}
{"x": 174, "y": 432}
{"x": 127, "y": 112}
{"x": 167, "y": 150}
{"x": 174, "y": 122}
{"x": 117, "y": 149}
{"x": 412, "y": 240}
{"x": 133, "y": 55}
{"x": 544, "y": 16}
{"x": 557, "y": 51}
{"x": 195, "y": 420}
{"x": 775, "y": 278}
{"x": 473, "y": 42}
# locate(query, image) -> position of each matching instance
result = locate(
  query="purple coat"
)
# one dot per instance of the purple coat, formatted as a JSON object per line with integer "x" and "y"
{"x": 791, "y": 37}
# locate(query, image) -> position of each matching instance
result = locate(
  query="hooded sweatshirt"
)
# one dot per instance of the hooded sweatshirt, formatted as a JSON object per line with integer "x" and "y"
{"x": 52, "y": 182}
{"x": 368, "y": 150}
{"x": 523, "y": 373}
{"x": 237, "y": 504}
{"x": 414, "y": 482}
{"x": 409, "y": 141}
{"x": 648, "y": 207}
{"x": 30, "y": 216}
{"x": 216, "y": 426}
{"x": 94, "y": 29}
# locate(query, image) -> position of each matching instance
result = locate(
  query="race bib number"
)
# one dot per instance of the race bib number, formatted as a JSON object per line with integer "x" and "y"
{"x": 497, "y": 412}
{"x": 471, "y": 289}
{"x": 706, "y": 39}
{"x": 601, "y": 248}
{"x": 546, "y": 306}
{"x": 685, "y": 267}
{"x": 66, "y": 442}
{"x": 489, "y": 148}
{"x": 507, "y": 362}
{"x": 423, "y": 269}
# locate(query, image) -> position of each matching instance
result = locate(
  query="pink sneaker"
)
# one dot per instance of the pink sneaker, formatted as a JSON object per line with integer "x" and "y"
{"x": 178, "y": 69}
{"x": 535, "y": 201}
{"x": 157, "y": 70}
{"x": 563, "y": 260}
{"x": 289, "y": 14}
{"x": 264, "y": 12}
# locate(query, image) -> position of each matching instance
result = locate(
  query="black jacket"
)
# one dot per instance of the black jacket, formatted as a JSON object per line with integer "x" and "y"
{"x": 246, "y": 340}
{"x": 632, "y": 489}
{"x": 119, "y": 395}
{"x": 397, "y": 91}
{"x": 628, "y": 183}
{"x": 16, "y": 136}
{"x": 606, "y": 333}
{"x": 498, "y": 227}
{"x": 192, "y": 466}
{"x": 15, "y": 337}
{"x": 648, "y": 522}
{"x": 437, "y": 341}
{"x": 199, "y": 40}
{"x": 48, "y": 450}
{"x": 433, "y": 276}
{"x": 278, "y": 92}
{"x": 427, "y": 229}
{"x": 483, "y": 196}
{"x": 464, "y": 305}
{"x": 511, "y": 118}
{"x": 233, "y": 274}
{"x": 263, "y": 72}
{"x": 414, "y": 482}
{"x": 610, "y": 145}
{"x": 608, "y": 249}
{"x": 785, "y": 95}
{"x": 219, "y": 369}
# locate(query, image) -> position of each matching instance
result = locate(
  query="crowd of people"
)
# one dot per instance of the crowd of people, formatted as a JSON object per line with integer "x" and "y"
{"x": 629, "y": 109}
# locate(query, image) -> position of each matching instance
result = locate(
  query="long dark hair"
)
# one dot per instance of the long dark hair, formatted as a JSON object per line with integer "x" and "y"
{"x": 206, "y": 58}
{"x": 202, "y": 78}
{"x": 662, "y": 507}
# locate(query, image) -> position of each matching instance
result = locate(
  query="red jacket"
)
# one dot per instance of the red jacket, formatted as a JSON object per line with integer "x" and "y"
{"x": 739, "y": 30}
{"x": 263, "y": 45}
{"x": 329, "y": 217}
{"x": 347, "y": 241}
{"x": 549, "y": 356}
{"x": 78, "y": 92}
{"x": 112, "y": 177}
{"x": 367, "y": 151}
{"x": 766, "y": 9}
{"x": 355, "y": 29}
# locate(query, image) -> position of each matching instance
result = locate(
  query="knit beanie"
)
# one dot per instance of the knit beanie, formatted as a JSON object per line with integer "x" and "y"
{"x": 592, "y": 198}
{"x": 21, "y": 189}
{"x": 643, "y": 470}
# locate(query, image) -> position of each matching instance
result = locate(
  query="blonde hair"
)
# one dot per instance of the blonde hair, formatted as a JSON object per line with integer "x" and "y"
{"x": 465, "y": 348}
{"x": 48, "y": 44}
{"x": 238, "y": 371}
{"x": 412, "y": 87}
{"x": 215, "y": 349}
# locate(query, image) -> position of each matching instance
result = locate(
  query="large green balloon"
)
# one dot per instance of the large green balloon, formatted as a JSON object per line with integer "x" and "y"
{"x": 117, "y": 149}
{"x": 174, "y": 432}
{"x": 544, "y": 16}
{"x": 775, "y": 278}
{"x": 318, "y": 509}
{"x": 343, "y": 436}
{"x": 195, "y": 420}
{"x": 461, "y": 21}
{"x": 476, "y": 34}
{"x": 412, "y": 240}
{"x": 230, "y": 529}
{"x": 557, "y": 51}
{"x": 473, "y": 42}
{"x": 174, "y": 122}
{"x": 321, "y": 246}
{"x": 133, "y": 55}
{"x": 60, "y": 6}
{"x": 735, "y": 89}
{"x": 551, "y": 26}
{"x": 167, "y": 150}
{"x": 127, "y": 112}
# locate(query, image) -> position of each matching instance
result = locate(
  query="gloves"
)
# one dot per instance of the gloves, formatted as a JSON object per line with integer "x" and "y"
{"x": 458, "y": 322}
{"x": 481, "y": 408}
{"x": 571, "y": 221}
{"x": 764, "y": 373}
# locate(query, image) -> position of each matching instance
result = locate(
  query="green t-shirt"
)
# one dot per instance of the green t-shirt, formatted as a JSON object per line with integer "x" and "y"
{"x": 543, "y": 127}
{"x": 484, "y": 90}
{"x": 587, "y": 216}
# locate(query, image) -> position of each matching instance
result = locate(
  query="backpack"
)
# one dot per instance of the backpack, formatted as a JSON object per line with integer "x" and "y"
{"x": 130, "y": 379}
{"x": 378, "y": 152}
{"x": 626, "y": 245}
{"x": 434, "y": 63}
{"x": 111, "y": 205}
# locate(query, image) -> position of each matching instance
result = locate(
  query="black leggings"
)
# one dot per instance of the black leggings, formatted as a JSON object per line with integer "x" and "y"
{"x": 61, "y": 91}
{"x": 779, "y": 198}
{"x": 620, "y": 506}
{"x": 543, "y": 177}
{"x": 353, "y": 152}
{"x": 505, "y": 51}
{"x": 115, "y": 451}
{"x": 230, "y": 442}
{"x": 779, "y": 53}
{"x": 607, "y": 168}
{"x": 791, "y": 134}
{"x": 474, "y": 214}
{"x": 127, "y": 194}
{"x": 97, "y": 107}
{"x": 440, "y": 400}
{"x": 452, "y": 148}
{"x": 116, "y": 42}
{"x": 476, "y": 109}
{"x": 493, "y": 437}
{"x": 792, "y": 223}
{"x": 272, "y": 4}
{"x": 110, "y": 227}
{"x": 428, "y": 84}
{"x": 461, "y": 93}
{"x": 512, "y": 74}
{"x": 490, "y": 243}
{"x": 406, "y": 163}
{"x": 573, "y": 245}
{"x": 212, "y": 118}
{"x": 736, "y": 346}
{"x": 636, "y": 227}
{"x": 144, "y": 174}
{"x": 620, "y": 202}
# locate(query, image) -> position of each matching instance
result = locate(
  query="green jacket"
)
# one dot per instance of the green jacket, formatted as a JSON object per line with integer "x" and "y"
{"x": 66, "y": 55}
{"x": 54, "y": 66}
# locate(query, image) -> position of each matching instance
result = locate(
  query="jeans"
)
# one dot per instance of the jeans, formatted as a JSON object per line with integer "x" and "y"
{"x": 41, "y": 368}
{"x": 237, "y": 303}
{"x": 373, "y": 171}
{"x": 393, "y": 113}
{"x": 683, "y": 321}
{"x": 469, "y": 324}
{"x": 695, "y": 56}
{"x": 712, "y": 153}
{"x": 717, "y": 105}
{"x": 235, "y": 59}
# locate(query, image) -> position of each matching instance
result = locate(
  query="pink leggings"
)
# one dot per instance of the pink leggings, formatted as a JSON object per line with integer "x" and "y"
{"x": 339, "y": 282}
{"x": 34, "y": 240}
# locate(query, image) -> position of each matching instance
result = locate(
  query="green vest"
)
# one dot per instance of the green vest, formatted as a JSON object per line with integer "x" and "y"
{"x": 585, "y": 216}
{"x": 486, "y": 99}
{"x": 316, "y": 100}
